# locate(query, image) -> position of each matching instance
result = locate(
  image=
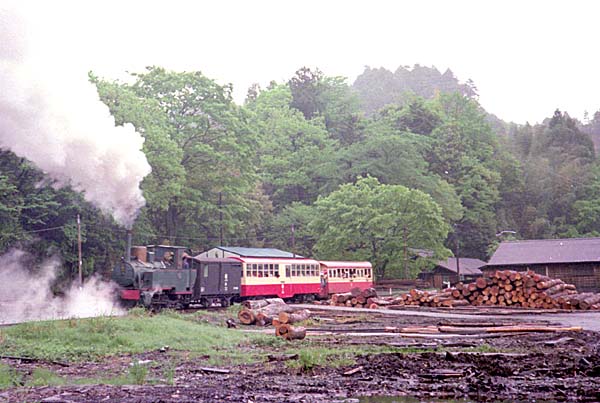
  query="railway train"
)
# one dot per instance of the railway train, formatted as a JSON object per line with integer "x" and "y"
{"x": 160, "y": 276}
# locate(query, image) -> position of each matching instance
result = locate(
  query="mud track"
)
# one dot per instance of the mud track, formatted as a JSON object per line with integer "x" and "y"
{"x": 540, "y": 366}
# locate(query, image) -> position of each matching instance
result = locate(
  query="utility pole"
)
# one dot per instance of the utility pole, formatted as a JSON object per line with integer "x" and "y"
{"x": 406, "y": 276}
{"x": 293, "y": 240}
{"x": 457, "y": 258}
{"x": 79, "y": 250}
{"x": 221, "y": 218}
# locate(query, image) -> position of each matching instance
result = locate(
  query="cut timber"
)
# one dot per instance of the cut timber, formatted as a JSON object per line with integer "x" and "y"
{"x": 275, "y": 301}
{"x": 282, "y": 330}
{"x": 246, "y": 317}
{"x": 255, "y": 304}
{"x": 262, "y": 319}
{"x": 294, "y": 317}
{"x": 442, "y": 374}
{"x": 353, "y": 371}
{"x": 295, "y": 333}
{"x": 533, "y": 329}
{"x": 282, "y": 357}
{"x": 214, "y": 370}
{"x": 556, "y": 342}
{"x": 587, "y": 302}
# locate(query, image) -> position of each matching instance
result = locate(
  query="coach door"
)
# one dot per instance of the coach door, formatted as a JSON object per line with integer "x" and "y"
{"x": 284, "y": 291}
{"x": 324, "y": 291}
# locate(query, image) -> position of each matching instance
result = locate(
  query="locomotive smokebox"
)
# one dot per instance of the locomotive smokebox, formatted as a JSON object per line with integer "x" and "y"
{"x": 128, "y": 250}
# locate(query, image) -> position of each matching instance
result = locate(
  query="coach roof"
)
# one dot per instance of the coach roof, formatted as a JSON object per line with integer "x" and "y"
{"x": 258, "y": 252}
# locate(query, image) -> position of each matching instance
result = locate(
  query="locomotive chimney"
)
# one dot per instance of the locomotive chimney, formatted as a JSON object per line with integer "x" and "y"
{"x": 128, "y": 251}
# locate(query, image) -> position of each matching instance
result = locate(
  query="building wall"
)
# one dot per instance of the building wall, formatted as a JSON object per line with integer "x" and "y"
{"x": 441, "y": 275}
{"x": 585, "y": 276}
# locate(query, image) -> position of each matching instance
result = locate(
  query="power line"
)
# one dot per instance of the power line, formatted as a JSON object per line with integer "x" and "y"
{"x": 41, "y": 230}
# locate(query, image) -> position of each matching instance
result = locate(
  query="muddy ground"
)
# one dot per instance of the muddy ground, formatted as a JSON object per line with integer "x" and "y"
{"x": 522, "y": 367}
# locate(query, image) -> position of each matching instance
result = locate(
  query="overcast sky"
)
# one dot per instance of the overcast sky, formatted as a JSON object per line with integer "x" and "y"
{"x": 527, "y": 58}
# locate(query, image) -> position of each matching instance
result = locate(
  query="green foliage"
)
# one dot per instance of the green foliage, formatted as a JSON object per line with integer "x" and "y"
{"x": 256, "y": 171}
{"x": 379, "y": 223}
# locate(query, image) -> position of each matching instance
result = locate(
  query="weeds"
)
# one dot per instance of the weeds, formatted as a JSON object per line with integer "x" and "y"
{"x": 9, "y": 377}
{"x": 169, "y": 373}
{"x": 138, "y": 312}
{"x": 138, "y": 373}
{"x": 309, "y": 358}
{"x": 44, "y": 377}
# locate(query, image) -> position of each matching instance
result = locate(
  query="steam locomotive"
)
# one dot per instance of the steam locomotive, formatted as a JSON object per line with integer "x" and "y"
{"x": 161, "y": 276}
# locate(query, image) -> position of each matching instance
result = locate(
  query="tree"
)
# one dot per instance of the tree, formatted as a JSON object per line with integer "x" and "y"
{"x": 464, "y": 152}
{"x": 306, "y": 88}
{"x": 201, "y": 149}
{"x": 379, "y": 223}
{"x": 294, "y": 153}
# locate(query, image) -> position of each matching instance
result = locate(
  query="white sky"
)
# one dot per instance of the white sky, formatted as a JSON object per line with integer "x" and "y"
{"x": 526, "y": 57}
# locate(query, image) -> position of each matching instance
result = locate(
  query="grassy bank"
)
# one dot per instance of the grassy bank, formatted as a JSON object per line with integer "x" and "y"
{"x": 90, "y": 339}
{"x": 200, "y": 338}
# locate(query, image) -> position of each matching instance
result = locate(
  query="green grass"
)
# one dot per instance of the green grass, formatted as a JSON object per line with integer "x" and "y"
{"x": 9, "y": 377}
{"x": 45, "y": 377}
{"x": 90, "y": 339}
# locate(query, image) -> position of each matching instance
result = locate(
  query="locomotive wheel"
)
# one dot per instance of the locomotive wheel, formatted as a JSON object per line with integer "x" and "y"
{"x": 225, "y": 302}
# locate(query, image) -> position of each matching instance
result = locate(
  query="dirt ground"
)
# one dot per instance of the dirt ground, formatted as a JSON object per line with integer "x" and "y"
{"x": 530, "y": 367}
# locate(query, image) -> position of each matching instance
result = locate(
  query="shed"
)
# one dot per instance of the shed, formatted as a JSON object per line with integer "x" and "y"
{"x": 573, "y": 260}
{"x": 234, "y": 251}
{"x": 446, "y": 271}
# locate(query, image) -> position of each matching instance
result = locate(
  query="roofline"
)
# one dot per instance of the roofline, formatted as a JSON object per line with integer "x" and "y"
{"x": 270, "y": 259}
{"x": 551, "y": 240}
{"x": 553, "y": 262}
{"x": 331, "y": 264}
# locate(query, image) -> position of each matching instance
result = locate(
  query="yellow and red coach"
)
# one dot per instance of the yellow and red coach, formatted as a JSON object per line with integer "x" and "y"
{"x": 342, "y": 276}
{"x": 282, "y": 277}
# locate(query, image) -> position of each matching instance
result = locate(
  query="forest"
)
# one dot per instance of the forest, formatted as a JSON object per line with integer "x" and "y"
{"x": 398, "y": 168}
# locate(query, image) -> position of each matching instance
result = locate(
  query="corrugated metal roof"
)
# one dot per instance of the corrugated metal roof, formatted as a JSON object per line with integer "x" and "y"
{"x": 542, "y": 251}
{"x": 257, "y": 252}
{"x": 468, "y": 266}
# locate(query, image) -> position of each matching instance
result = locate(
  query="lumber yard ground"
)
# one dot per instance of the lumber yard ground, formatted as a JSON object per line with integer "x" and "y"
{"x": 347, "y": 356}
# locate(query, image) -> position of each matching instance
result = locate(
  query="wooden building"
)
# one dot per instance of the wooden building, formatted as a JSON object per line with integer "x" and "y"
{"x": 445, "y": 271}
{"x": 575, "y": 260}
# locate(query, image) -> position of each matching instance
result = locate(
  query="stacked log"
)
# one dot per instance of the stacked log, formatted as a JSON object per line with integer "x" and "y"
{"x": 356, "y": 298}
{"x": 285, "y": 320}
{"x": 504, "y": 288}
{"x": 262, "y": 312}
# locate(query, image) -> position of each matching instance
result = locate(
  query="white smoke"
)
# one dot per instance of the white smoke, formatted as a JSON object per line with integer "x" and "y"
{"x": 52, "y": 115}
{"x": 26, "y": 293}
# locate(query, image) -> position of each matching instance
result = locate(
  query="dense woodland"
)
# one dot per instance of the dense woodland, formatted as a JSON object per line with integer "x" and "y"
{"x": 399, "y": 168}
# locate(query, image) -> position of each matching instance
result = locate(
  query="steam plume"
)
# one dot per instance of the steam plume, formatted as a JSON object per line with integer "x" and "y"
{"x": 54, "y": 118}
{"x": 29, "y": 296}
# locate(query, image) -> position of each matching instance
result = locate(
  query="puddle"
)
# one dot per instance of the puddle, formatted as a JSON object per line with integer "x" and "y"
{"x": 410, "y": 399}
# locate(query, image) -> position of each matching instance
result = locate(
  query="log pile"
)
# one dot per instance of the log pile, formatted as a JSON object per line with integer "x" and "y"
{"x": 274, "y": 311}
{"x": 285, "y": 320}
{"x": 504, "y": 288}
{"x": 356, "y": 298}
{"x": 262, "y": 312}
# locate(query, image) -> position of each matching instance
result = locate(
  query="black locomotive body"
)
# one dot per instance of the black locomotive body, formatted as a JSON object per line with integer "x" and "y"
{"x": 162, "y": 276}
